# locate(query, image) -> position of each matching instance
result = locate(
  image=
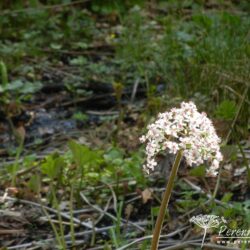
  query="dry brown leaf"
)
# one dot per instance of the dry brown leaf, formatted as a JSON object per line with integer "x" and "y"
{"x": 128, "y": 210}
{"x": 12, "y": 190}
{"x": 146, "y": 195}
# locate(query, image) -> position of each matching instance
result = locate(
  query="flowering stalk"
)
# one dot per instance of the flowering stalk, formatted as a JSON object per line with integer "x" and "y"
{"x": 165, "y": 200}
{"x": 186, "y": 133}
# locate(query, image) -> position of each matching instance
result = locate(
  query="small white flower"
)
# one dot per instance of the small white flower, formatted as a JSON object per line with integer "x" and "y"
{"x": 183, "y": 129}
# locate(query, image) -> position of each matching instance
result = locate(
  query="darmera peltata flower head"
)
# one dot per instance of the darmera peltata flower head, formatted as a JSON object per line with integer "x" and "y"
{"x": 187, "y": 130}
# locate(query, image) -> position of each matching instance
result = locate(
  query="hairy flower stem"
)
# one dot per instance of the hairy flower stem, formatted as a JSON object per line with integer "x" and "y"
{"x": 165, "y": 200}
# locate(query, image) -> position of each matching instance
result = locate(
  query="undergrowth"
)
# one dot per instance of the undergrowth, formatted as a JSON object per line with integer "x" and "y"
{"x": 174, "y": 50}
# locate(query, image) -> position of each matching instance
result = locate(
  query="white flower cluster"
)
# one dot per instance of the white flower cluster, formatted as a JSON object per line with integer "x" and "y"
{"x": 183, "y": 129}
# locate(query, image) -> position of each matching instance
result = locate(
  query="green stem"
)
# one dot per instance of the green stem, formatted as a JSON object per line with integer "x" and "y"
{"x": 4, "y": 74}
{"x": 58, "y": 238}
{"x": 61, "y": 229}
{"x": 72, "y": 229}
{"x": 165, "y": 200}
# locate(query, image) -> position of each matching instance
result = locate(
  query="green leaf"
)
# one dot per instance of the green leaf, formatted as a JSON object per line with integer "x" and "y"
{"x": 155, "y": 211}
{"x": 55, "y": 46}
{"x": 2, "y": 89}
{"x": 228, "y": 212}
{"x": 93, "y": 175}
{"x": 226, "y": 110}
{"x": 80, "y": 60}
{"x": 82, "y": 155}
{"x": 80, "y": 116}
{"x": 114, "y": 156}
{"x": 29, "y": 87}
{"x": 81, "y": 45}
{"x": 53, "y": 166}
{"x": 227, "y": 197}
{"x": 15, "y": 85}
{"x": 34, "y": 183}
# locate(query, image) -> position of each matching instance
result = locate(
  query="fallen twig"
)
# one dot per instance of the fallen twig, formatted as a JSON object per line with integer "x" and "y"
{"x": 66, "y": 237}
{"x": 63, "y": 214}
{"x": 110, "y": 215}
{"x": 235, "y": 92}
{"x": 151, "y": 236}
{"x": 113, "y": 195}
{"x": 105, "y": 210}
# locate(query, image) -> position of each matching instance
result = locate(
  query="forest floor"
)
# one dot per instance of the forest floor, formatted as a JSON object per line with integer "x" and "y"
{"x": 79, "y": 83}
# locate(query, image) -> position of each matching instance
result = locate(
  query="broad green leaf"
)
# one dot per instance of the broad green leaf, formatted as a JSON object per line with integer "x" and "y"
{"x": 114, "y": 155}
{"x": 82, "y": 155}
{"x": 53, "y": 166}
